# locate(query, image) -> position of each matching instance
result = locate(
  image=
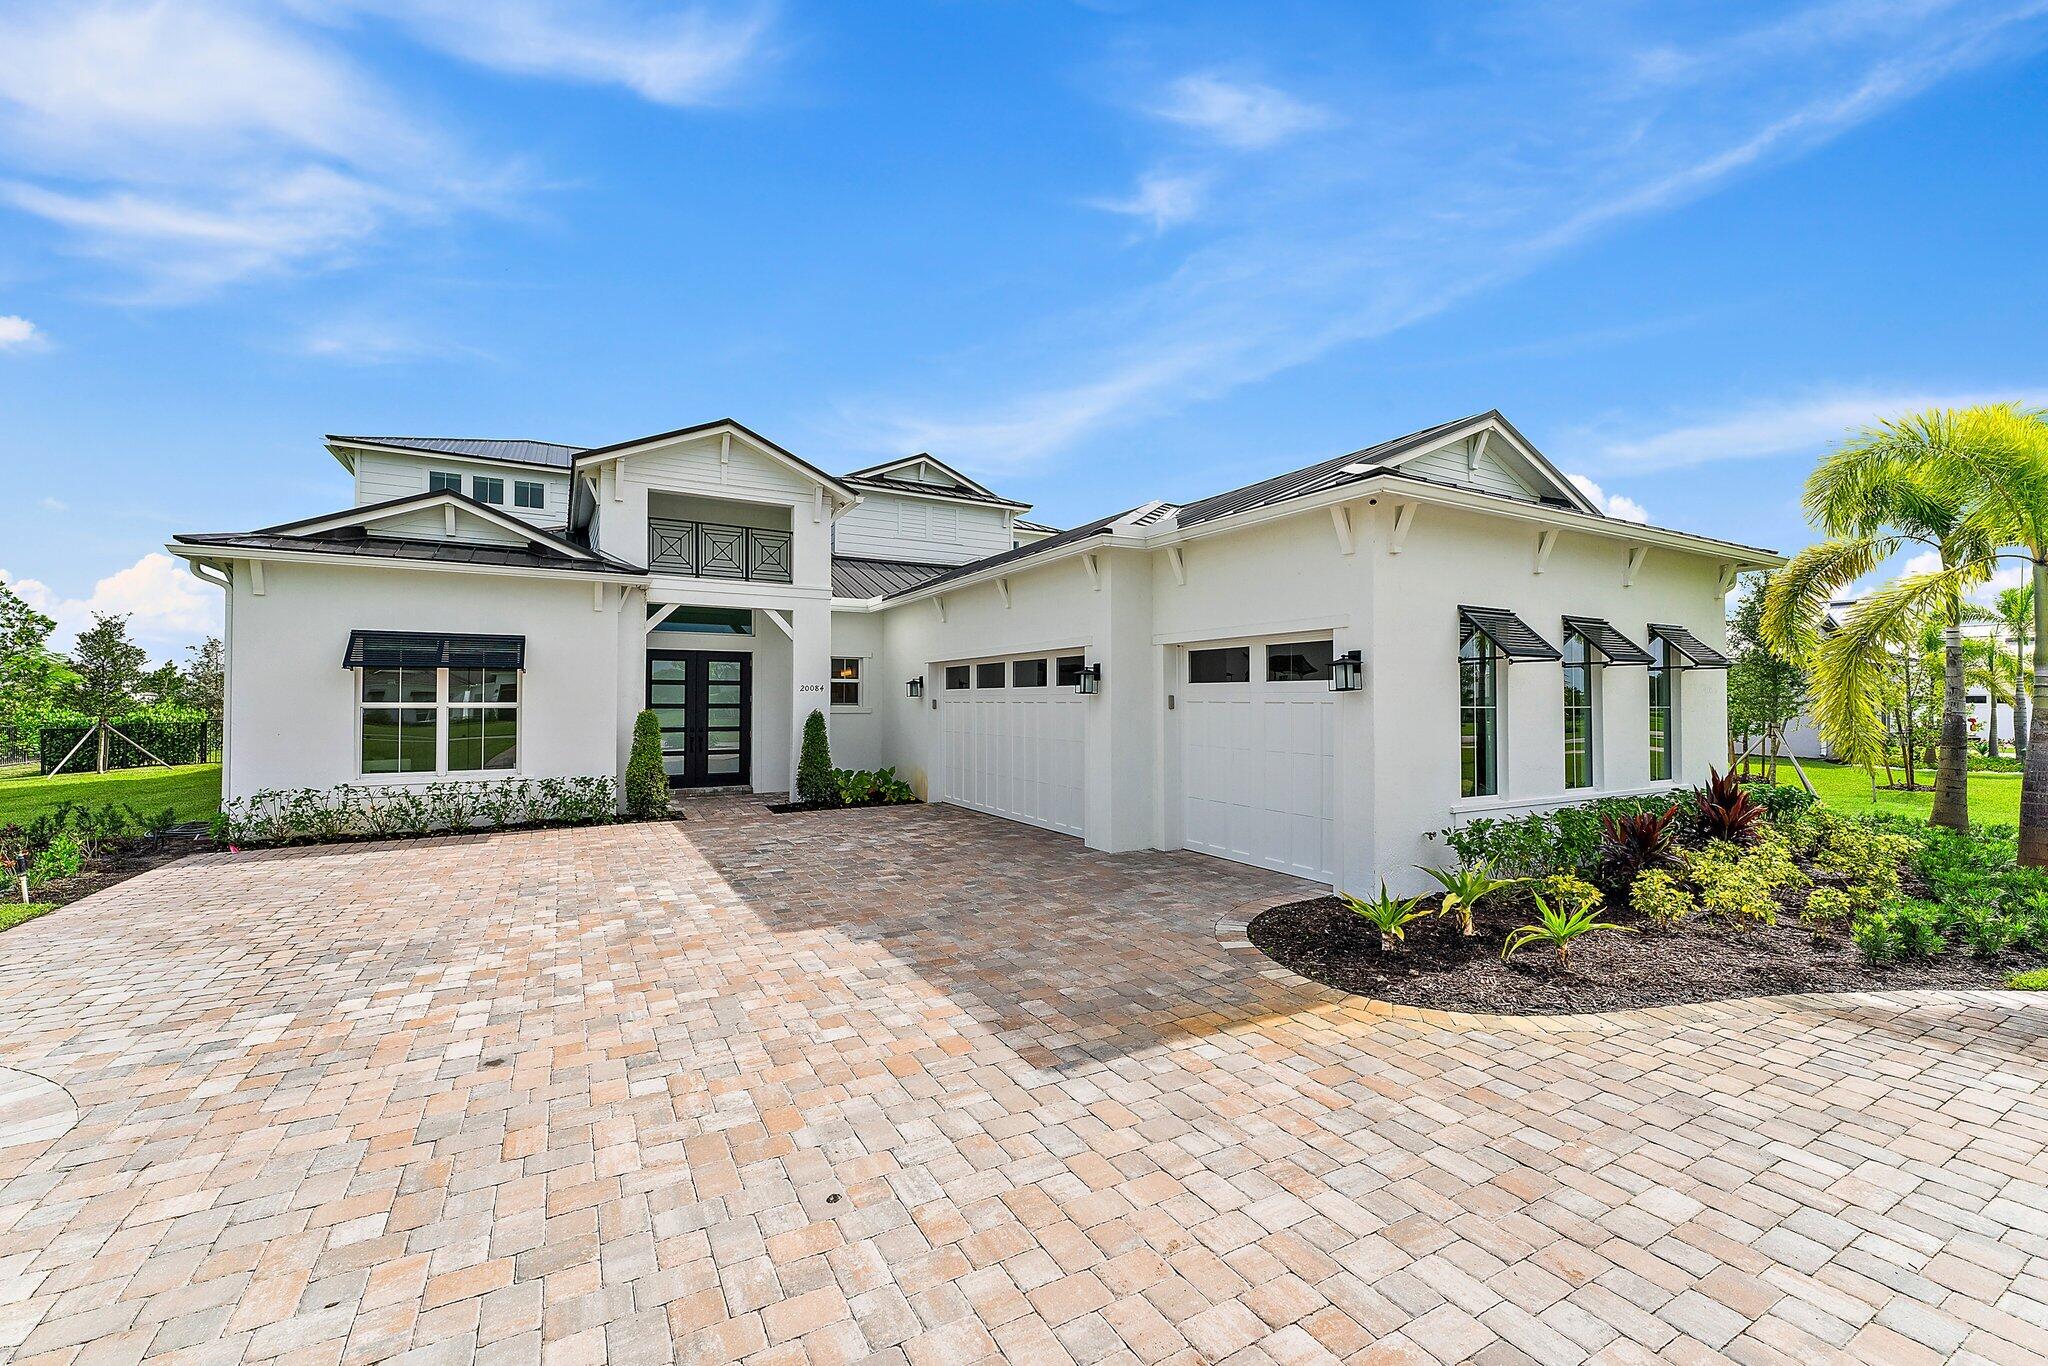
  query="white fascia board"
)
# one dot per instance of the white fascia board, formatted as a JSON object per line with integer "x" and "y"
{"x": 1537, "y": 462}
{"x": 841, "y": 493}
{"x": 1421, "y": 491}
{"x": 664, "y": 588}
{"x": 234, "y": 553}
{"x": 1092, "y": 545}
{"x": 926, "y": 458}
{"x": 377, "y": 512}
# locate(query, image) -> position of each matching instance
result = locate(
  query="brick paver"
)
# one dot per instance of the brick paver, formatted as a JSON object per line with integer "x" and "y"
{"x": 920, "y": 1086}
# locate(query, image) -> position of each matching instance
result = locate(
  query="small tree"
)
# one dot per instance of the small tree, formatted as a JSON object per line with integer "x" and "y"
{"x": 646, "y": 781}
{"x": 1766, "y": 691}
{"x": 206, "y": 682}
{"x": 108, "y": 665}
{"x": 33, "y": 681}
{"x": 814, "y": 782}
{"x": 163, "y": 686}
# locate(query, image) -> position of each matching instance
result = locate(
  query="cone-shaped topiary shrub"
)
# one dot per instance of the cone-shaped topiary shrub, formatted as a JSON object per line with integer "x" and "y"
{"x": 646, "y": 783}
{"x": 815, "y": 784}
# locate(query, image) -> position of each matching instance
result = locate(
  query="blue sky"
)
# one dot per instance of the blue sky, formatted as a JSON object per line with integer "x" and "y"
{"x": 1093, "y": 253}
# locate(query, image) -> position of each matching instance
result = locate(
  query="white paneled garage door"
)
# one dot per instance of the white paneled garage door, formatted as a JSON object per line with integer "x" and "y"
{"x": 1016, "y": 740}
{"x": 1258, "y": 755}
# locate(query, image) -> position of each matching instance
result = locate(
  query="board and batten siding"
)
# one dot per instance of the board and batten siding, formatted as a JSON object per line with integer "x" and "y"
{"x": 380, "y": 477}
{"x": 923, "y": 530}
{"x": 1488, "y": 473}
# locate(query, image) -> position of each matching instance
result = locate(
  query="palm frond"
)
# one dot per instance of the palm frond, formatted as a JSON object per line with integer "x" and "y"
{"x": 1850, "y": 662}
{"x": 1796, "y": 600}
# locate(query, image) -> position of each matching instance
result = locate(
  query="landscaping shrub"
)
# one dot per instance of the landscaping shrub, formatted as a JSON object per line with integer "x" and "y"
{"x": 2035, "y": 979}
{"x": 176, "y": 735}
{"x": 1724, "y": 811}
{"x": 1828, "y": 907}
{"x": 1632, "y": 841}
{"x": 1560, "y": 927}
{"x": 314, "y": 815}
{"x": 814, "y": 783}
{"x": 14, "y": 913}
{"x": 62, "y": 857}
{"x": 1465, "y": 888}
{"x": 1741, "y": 884}
{"x": 1657, "y": 895}
{"x": 1781, "y": 803}
{"x": 1566, "y": 840}
{"x": 1570, "y": 894}
{"x": 871, "y": 787}
{"x": 1984, "y": 927}
{"x": 646, "y": 780}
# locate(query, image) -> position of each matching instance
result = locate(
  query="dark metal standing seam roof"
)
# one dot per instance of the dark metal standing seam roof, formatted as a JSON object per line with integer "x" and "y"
{"x": 853, "y": 577}
{"x": 1025, "y": 552}
{"x": 888, "y": 485}
{"x": 1313, "y": 479}
{"x": 1615, "y": 647}
{"x": 551, "y": 454}
{"x": 1508, "y": 632}
{"x": 432, "y": 650}
{"x": 1698, "y": 654}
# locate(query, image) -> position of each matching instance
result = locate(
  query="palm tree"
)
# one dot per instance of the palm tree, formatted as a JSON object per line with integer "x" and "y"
{"x": 2014, "y": 612}
{"x": 1984, "y": 668}
{"x": 1885, "y": 489}
{"x": 2001, "y": 473}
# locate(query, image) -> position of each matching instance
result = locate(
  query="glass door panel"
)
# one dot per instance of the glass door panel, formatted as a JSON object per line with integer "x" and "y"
{"x": 703, "y": 702}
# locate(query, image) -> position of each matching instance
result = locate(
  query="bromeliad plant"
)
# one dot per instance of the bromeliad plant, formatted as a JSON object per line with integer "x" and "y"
{"x": 1389, "y": 915}
{"x": 1560, "y": 928}
{"x": 1464, "y": 888}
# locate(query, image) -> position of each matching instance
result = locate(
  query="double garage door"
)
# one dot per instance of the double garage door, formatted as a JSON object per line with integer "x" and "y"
{"x": 1016, "y": 739}
{"x": 1256, "y": 734}
{"x": 1258, "y": 745}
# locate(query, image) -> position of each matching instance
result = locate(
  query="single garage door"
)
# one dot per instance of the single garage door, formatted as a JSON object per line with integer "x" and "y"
{"x": 1258, "y": 754}
{"x": 1015, "y": 739}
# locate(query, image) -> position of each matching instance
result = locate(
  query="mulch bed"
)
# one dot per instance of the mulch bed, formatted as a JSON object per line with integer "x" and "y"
{"x": 1703, "y": 959}
{"x": 126, "y": 859}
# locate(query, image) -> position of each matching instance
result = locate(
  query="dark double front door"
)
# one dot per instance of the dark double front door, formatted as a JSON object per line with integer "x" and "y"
{"x": 705, "y": 702}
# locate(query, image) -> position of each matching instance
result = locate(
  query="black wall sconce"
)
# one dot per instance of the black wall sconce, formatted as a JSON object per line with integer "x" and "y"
{"x": 916, "y": 686}
{"x": 1089, "y": 679}
{"x": 1347, "y": 672}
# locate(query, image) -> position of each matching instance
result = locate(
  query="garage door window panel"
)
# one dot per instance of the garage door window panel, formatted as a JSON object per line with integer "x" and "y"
{"x": 1027, "y": 673}
{"x": 1231, "y": 664}
{"x": 989, "y": 675}
{"x": 1304, "y": 661}
{"x": 956, "y": 677}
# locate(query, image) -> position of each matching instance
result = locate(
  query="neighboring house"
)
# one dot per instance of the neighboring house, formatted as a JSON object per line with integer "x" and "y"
{"x": 1311, "y": 673}
{"x": 1803, "y": 738}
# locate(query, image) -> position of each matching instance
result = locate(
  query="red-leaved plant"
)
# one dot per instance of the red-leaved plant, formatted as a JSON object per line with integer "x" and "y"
{"x": 1724, "y": 810}
{"x": 1635, "y": 840}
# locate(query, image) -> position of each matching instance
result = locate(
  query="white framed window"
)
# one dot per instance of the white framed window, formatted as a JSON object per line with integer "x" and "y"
{"x": 1581, "y": 731}
{"x": 846, "y": 681}
{"x": 439, "y": 481}
{"x": 1478, "y": 717}
{"x": 487, "y": 488}
{"x": 436, "y": 722}
{"x": 1663, "y": 710}
{"x": 528, "y": 493}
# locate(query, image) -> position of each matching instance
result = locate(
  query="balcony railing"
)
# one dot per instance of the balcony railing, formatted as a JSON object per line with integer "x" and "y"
{"x": 712, "y": 550}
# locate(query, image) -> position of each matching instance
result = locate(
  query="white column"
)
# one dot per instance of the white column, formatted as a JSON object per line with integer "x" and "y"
{"x": 810, "y": 657}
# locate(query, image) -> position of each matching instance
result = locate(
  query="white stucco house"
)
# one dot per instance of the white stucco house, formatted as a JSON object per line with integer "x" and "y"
{"x": 1310, "y": 673}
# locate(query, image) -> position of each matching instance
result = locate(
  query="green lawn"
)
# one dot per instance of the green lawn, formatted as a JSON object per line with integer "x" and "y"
{"x": 1994, "y": 797}
{"x": 194, "y": 791}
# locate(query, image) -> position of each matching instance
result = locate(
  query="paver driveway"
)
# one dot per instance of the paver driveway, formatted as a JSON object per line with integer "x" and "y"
{"x": 928, "y": 1086}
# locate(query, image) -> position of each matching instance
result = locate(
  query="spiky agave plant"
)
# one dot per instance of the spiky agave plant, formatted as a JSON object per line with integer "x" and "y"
{"x": 1388, "y": 914}
{"x": 1464, "y": 888}
{"x": 1559, "y": 928}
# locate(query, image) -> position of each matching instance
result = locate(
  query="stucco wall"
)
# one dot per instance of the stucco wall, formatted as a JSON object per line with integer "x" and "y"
{"x": 857, "y": 731}
{"x": 293, "y": 705}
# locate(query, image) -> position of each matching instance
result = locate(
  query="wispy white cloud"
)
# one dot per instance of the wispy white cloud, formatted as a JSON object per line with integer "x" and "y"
{"x": 1613, "y": 504}
{"x": 199, "y": 142}
{"x": 1163, "y": 199}
{"x": 687, "y": 55}
{"x": 370, "y": 339}
{"x": 18, "y": 333}
{"x": 165, "y": 605}
{"x": 1420, "y": 201}
{"x": 1241, "y": 114}
{"x": 1797, "y": 426}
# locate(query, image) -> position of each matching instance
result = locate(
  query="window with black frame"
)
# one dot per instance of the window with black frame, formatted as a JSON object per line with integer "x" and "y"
{"x": 1663, "y": 694}
{"x": 1580, "y": 678}
{"x": 1478, "y": 716}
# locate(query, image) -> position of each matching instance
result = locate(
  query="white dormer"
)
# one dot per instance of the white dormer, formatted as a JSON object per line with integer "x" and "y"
{"x": 527, "y": 480}
{"x": 920, "y": 510}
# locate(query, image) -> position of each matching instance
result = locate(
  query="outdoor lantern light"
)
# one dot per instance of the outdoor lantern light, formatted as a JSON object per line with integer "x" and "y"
{"x": 1089, "y": 679}
{"x": 917, "y": 686}
{"x": 1347, "y": 672}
